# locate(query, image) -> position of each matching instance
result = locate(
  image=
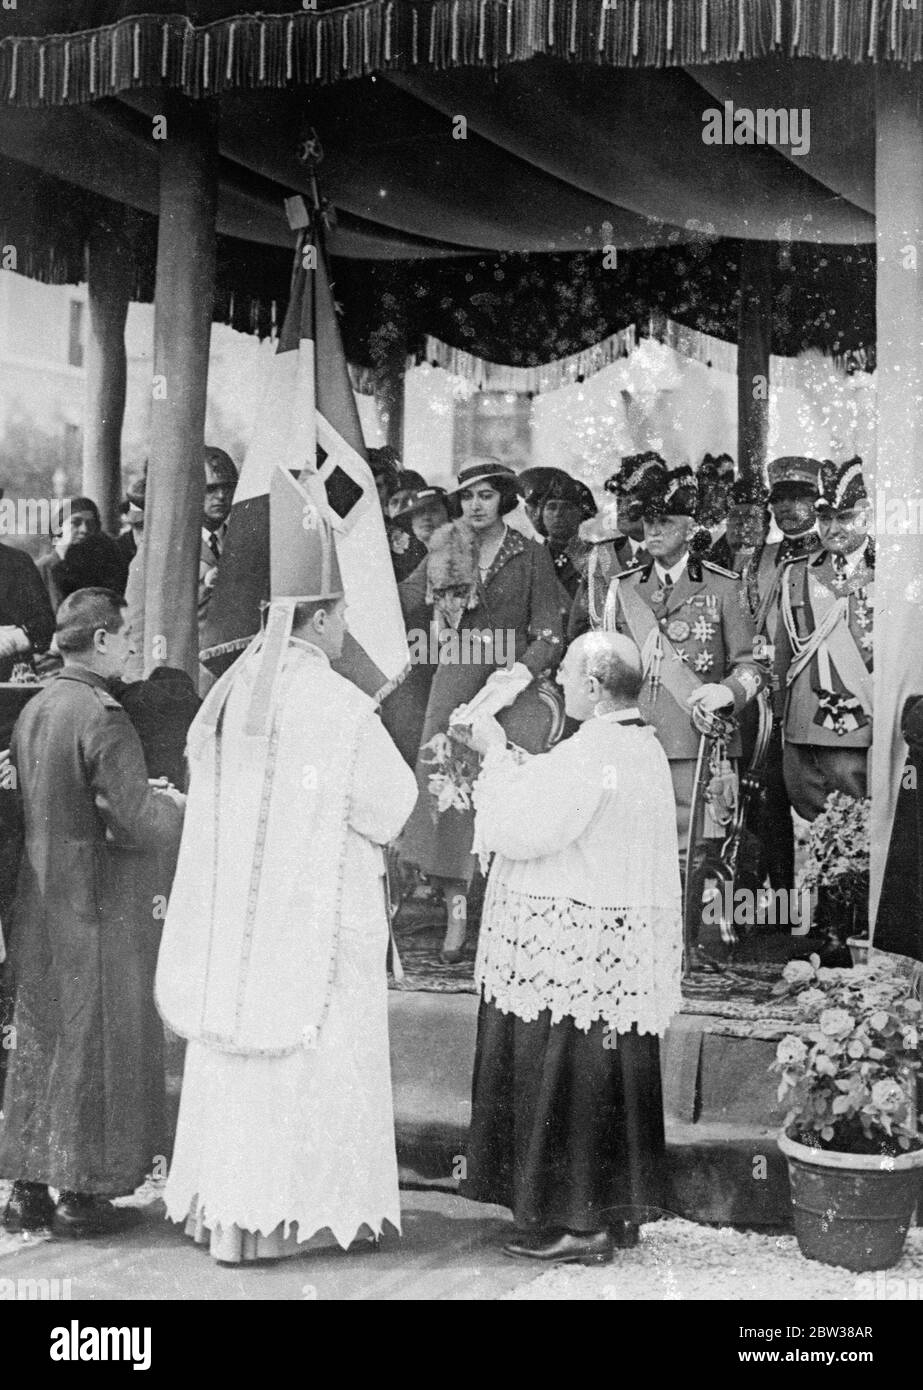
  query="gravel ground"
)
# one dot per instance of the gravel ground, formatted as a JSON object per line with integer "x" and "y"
{"x": 681, "y": 1260}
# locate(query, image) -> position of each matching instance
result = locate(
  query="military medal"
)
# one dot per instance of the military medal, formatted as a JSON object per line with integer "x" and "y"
{"x": 702, "y": 662}
{"x": 703, "y": 631}
{"x": 678, "y": 631}
{"x": 658, "y": 595}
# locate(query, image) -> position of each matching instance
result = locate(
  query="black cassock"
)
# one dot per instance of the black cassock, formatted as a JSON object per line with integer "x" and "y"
{"x": 899, "y": 924}
{"x": 84, "y": 1102}
{"x": 566, "y": 1131}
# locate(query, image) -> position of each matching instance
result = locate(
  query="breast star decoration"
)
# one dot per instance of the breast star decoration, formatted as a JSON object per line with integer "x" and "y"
{"x": 702, "y": 662}
{"x": 702, "y": 630}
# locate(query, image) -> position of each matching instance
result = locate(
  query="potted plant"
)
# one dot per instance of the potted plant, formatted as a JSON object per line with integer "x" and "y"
{"x": 836, "y": 868}
{"x": 849, "y": 1069}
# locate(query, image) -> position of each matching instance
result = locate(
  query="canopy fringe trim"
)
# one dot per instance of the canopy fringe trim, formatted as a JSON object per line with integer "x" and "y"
{"x": 528, "y": 381}
{"x": 688, "y": 343}
{"x": 315, "y": 48}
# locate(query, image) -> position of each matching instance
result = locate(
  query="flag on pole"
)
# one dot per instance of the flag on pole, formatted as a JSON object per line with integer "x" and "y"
{"x": 309, "y": 426}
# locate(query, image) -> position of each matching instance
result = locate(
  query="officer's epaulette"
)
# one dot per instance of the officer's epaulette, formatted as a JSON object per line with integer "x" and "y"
{"x": 719, "y": 569}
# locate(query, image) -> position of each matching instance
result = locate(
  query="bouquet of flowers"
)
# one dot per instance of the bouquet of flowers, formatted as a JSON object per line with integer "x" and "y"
{"x": 850, "y": 1070}
{"x": 838, "y": 848}
{"x": 454, "y": 773}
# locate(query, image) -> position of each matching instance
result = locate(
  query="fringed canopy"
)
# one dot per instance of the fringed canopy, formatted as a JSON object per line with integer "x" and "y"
{"x": 55, "y": 52}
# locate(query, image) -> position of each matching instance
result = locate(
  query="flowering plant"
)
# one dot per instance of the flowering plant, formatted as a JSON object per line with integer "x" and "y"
{"x": 850, "y": 1071}
{"x": 838, "y": 848}
{"x": 452, "y": 779}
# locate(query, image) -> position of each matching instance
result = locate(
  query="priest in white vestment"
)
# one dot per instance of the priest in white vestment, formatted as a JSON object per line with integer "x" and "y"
{"x": 273, "y": 961}
{"x": 578, "y": 964}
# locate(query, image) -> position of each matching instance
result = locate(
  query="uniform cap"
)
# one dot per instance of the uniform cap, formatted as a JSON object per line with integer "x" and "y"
{"x": 793, "y": 468}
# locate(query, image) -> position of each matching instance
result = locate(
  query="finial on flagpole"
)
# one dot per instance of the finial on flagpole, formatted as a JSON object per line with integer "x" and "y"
{"x": 310, "y": 152}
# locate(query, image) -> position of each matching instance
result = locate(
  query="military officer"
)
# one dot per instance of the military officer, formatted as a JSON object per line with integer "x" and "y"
{"x": 824, "y": 647}
{"x": 792, "y": 494}
{"x": 567, "y": 503}
{"x": 612, "y": 551}
{"x": 696, "y": 640}
{"x": 715, "y": 480}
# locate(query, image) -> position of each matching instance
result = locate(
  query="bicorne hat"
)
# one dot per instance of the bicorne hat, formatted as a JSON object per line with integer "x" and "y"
{"x": 842, "y": 486}
{"x": 670, "y": 492}
{"x": 633, "y": 471}
{"x": 714, "y": 467}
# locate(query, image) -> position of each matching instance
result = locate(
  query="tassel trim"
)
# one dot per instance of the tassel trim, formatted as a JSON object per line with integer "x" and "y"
{"x": 310, "y": 47}
{"x": 688, "y": 343}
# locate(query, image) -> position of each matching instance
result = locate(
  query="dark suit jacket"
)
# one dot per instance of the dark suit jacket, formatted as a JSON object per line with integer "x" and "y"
{"x": 23, "y": 603}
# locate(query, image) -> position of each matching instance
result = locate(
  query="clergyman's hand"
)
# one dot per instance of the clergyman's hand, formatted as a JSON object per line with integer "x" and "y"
{"x": 486, "y": 733}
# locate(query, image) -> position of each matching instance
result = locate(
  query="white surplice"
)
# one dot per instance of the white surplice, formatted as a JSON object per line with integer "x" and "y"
{"x": 285, "y": 1146}
{"x": 582, "y": 914}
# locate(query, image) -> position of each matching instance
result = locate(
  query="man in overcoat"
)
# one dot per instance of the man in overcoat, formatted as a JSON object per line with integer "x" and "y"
{"x": 84, "y": 1101}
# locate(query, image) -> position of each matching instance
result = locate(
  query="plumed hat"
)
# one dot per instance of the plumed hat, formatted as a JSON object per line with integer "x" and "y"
{"x": 749, "y": 492}
{"x": 670, "y": 492}
{"x": 792, "y": 468}
{"x": 633, "y": 471}
{"x": 842, "y": 486}
{"x": 715, "y": 467}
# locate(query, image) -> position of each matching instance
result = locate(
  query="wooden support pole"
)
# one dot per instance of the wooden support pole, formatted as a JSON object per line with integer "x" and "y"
{"x": 754, "y": 324}
{"x": 392, "y": 403}
{"x": 897, "y": 487}
{"x": 389, "y": 352}
{"x": 182, "y": 333}
{"x": 109, "y": 278}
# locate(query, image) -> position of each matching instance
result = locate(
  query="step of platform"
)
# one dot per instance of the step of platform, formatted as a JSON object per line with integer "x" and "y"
{"x": 720, "y": 1104}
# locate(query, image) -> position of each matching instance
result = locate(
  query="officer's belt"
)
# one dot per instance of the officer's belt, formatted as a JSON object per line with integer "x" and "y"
{"x": 831, "y": 641}
{"x": 653, "y": 645}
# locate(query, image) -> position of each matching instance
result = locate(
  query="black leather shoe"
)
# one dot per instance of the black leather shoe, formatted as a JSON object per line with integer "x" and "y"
{"x": 568, "y": 1247}
{"x": 29, "y": 1208}
{"x": 80, "y": 1214}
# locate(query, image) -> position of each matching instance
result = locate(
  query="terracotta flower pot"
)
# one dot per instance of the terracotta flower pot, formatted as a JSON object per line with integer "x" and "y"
{"x": 852, "y": 1210}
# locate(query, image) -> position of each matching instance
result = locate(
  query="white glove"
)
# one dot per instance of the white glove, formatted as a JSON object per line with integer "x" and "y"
{"x": 711, "y": 697}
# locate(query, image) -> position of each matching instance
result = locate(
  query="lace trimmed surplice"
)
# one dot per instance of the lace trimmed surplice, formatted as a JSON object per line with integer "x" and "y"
{"x": 582, "y": 913}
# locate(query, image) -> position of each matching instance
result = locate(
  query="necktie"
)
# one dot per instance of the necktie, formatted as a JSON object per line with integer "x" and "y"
{"x": 668, "y": 581}
{"x": 213, "y": 545}
{"x": 839, "y": 566}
